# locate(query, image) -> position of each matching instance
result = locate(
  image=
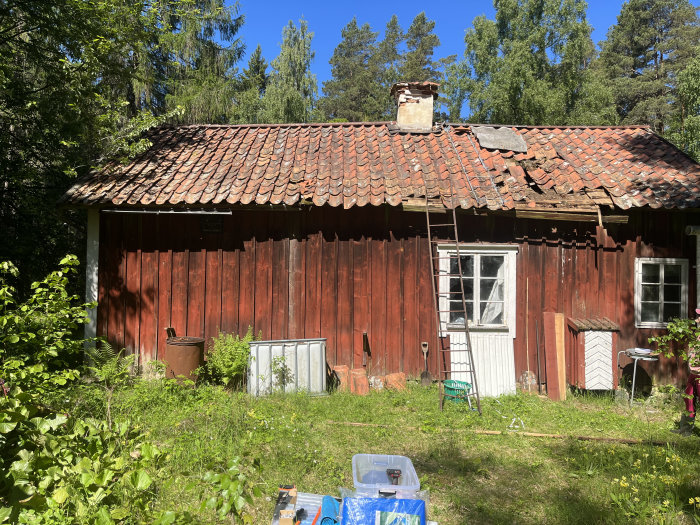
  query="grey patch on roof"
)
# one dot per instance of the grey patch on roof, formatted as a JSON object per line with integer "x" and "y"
{"x": 499, "y": 138}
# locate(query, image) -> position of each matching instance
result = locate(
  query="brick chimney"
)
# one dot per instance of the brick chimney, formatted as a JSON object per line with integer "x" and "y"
{"x": 415, "y": 105}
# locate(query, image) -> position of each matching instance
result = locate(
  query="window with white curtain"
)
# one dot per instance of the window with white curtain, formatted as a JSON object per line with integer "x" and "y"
{"x": 488, "y": 276}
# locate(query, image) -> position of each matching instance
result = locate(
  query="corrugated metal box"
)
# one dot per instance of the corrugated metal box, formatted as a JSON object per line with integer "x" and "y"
{"x": 290, "y": 365}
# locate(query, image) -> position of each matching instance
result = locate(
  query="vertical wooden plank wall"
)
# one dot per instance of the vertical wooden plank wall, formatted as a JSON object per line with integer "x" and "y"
{"x": 298, "y": 274}
{"x": 333, "y": 273}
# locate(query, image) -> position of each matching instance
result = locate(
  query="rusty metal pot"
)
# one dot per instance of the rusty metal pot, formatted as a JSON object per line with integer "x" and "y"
{"x": 183, "y": 355}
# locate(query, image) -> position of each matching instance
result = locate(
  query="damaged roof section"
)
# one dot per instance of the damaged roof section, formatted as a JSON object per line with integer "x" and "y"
{"x": 506, "y": 139}
{"x": 358, "y": 164}
{"x": 588, "y": 167}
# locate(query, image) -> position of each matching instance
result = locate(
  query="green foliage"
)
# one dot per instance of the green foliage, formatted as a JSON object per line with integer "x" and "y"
{"x": 529, "y": 66}
{"x": 56, "y": 468}
{"x": 417, "y": 63}
{"x": 363, "y": 70}
{"x": 682, "y": 339}
{"x": 199, "y": 50}
{"x": 291, "y": 91}
{"x": 354, "y": 92}
{"x": 40, "y": 332}
{"x": 281, "y": 373}
{"x": 255, "y": 76}
{"x": 642, "y": 56}
{"x": 112, "y": 370}
{"x": 78, "y": 470}
{"x": 79, "y": 84}
{"x": 227, "y": 360}
{"x": 685, "y": 128}
{"x": 253, "y": 83}
{"x": 232, "y": 493}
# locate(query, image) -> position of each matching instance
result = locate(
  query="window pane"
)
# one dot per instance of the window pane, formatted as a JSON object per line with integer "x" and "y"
{"x": 672, "y": 273}
{"x": 467, "y": 265}
{"x": 650, "y": 292}
{"x": 650, "y": 273}
{"x": 491, "y": 313}
{"x": 491, "y": 290}
{"x": 468, "y": 289}
{"x": 491, "y": 265}
{"x": 457, "y": 314}
{"x": 672, "y": 292}
{"x": 671, "y": 310}
{"x": 650, "y": 313}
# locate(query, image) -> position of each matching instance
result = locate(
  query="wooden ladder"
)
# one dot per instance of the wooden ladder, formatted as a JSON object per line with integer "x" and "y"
{"x": 453, "y": 362}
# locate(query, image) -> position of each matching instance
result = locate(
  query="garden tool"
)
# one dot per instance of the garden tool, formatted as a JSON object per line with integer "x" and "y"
{"x": 425, "y": 377}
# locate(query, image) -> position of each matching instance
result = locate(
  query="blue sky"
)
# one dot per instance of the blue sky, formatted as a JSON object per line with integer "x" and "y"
{"x": 265, "y": 20}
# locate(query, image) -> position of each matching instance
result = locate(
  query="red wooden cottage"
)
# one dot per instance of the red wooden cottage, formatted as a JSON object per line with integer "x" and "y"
{"x": 319, "y": 230}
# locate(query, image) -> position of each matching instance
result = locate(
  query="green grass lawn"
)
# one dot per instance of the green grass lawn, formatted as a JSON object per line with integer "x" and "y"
{"x": 471, "y": 477}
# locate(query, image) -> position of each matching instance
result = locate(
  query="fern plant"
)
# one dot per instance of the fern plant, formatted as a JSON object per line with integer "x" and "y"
{"x": 112, "y": 369}
{"x": 227, "y": 360}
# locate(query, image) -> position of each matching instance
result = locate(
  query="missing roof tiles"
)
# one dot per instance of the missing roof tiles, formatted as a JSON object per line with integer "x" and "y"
{"x": 499, "y": 138}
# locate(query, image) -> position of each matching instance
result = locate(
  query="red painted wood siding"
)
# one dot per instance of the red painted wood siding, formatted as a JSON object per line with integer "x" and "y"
{"x": 333, "y": 273}
{"x": 302, "y": 274}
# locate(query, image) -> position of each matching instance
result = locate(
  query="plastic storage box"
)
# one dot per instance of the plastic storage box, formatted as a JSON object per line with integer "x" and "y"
{"x": 370, "y": 476}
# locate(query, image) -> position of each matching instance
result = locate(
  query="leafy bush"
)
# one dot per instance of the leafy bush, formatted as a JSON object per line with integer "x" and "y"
{"x": 682, "y": 338}
{"x": 56, "y": 468}
{"x": 227, "y": 360}
{"x": 41, "y": 332}
{"x": 232, "y": 492}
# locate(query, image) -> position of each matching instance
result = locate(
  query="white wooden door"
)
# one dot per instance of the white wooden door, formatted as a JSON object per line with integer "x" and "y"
{"x": 489, "y": 283}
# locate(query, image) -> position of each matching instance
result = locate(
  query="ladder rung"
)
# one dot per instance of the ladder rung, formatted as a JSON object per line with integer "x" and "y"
{"x": 442, "y": 225}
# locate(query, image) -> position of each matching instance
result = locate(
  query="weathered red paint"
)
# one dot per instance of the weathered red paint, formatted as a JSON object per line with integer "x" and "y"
{"x": 339, "y": 273}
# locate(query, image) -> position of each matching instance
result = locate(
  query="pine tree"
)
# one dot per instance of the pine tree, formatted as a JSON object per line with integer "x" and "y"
{"x": 353, "y": 92}
{"x": 201, "y": 47}
{"x": 417, "y": 64}
{"x": 255, "y": 75}
{"x": 642, "y": 56}
{"x": 248, "y": 104}
{"x": 529, "y": 65}
{"x": 292, "y": 89}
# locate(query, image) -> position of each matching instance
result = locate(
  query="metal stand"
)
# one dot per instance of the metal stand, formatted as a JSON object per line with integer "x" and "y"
{"x": 636, "y": 357}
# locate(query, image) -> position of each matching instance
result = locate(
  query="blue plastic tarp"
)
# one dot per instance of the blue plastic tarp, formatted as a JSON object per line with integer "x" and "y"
{"x": 380, "y": 511}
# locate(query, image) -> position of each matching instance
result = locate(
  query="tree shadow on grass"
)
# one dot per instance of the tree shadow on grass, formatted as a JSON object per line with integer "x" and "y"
{"x": 491, "y": 483}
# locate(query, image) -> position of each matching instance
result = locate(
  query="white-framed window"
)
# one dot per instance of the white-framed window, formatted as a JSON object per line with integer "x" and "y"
{"x": 488, "y": 277}
{"x": 660, "y": 291}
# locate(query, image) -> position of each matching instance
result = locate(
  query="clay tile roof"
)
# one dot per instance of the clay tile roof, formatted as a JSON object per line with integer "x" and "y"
{"x": 356, "y": 164}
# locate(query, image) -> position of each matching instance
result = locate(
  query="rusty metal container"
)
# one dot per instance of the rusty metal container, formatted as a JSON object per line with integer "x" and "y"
{"x": 183, "y": 355}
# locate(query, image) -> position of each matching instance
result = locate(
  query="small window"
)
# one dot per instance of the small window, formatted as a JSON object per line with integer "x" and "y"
{"x": 661, "y": 291}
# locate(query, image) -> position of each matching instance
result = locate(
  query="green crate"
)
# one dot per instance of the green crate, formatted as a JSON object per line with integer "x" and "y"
{"x": 457, "y": 391}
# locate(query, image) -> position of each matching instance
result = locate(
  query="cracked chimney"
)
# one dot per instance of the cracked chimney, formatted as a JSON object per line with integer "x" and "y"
{"x": 415, "y": 105}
